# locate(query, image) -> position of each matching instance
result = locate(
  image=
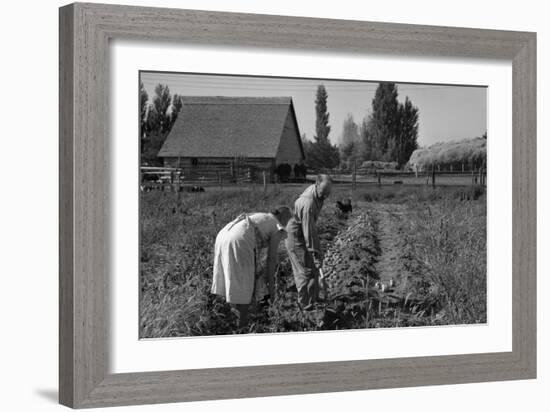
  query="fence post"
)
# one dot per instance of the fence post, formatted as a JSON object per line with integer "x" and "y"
{"x": 433, "y": 176}
{"x": 354, "y": 177}
{"x": 172, "y": 187}
{"x": 178, "y": 178}
{"x": 177, "y": 186}
{"x": 264, "y": 181}
{"x": 480, "y": 175}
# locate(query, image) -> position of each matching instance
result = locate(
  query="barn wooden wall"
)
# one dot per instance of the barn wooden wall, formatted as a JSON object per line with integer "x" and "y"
{"x": 289, "y": 147}
{"x": 216, "y": 162}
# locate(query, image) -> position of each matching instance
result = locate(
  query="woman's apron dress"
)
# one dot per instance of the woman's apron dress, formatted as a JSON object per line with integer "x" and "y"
{"x": 239, "y": 274}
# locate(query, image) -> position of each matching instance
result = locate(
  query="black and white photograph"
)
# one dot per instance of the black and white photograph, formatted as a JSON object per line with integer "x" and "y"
{"x": 276, "y": 204}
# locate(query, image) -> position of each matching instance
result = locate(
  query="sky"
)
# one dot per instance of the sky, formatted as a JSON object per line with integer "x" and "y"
{"x": 446, "y": 112}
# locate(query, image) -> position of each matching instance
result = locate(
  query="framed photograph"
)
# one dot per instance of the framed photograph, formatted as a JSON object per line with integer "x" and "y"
{"x": 256, "y": 205}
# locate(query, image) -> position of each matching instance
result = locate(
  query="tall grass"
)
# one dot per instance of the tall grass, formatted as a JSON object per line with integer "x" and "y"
{"x": 448, "y": 246}
{"x": 416, "y": 194}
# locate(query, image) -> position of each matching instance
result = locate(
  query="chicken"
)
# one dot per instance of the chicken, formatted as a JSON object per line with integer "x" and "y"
{"x": 344, "y": 206}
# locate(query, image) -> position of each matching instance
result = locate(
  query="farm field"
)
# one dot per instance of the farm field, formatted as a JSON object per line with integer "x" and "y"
{"x": 408, "y": 255}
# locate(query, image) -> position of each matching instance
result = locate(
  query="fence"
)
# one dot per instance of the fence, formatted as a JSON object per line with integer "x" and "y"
{"x": 179, "y": 178}
{"x": 435, "y": 176}
{"x": 187, "y": 178}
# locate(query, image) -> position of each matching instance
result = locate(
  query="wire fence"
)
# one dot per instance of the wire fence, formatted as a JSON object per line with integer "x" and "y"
{"x": 194, "y": 178}
{"x": 185, "y": 178}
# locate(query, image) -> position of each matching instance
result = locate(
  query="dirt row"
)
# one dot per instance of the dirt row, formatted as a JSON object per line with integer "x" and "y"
{"x": 366, "y": 267}
{"x": 393, "y": 260}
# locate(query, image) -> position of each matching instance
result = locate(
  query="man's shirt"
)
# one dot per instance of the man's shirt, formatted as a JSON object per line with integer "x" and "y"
{"x": 302, "y": 226}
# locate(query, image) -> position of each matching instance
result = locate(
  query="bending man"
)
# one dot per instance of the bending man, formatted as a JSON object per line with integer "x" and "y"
{"x": 302, "y": 243}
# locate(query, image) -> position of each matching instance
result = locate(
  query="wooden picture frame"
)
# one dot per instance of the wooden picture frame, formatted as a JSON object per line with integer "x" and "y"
{"x": 85, "y": 31}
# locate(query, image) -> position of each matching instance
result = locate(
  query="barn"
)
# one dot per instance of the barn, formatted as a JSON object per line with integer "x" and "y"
{"x": 212, "y": 133}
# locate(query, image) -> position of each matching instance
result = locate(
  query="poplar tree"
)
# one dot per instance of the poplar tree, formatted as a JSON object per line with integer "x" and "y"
{"x": 350, "y": 147}
{"x": 390, "y": 133}
{"x": 321, "y": 153}
{"x": 143, "y": 98}
{"x": 322, "y": 127}
{"x": 158, "y": 119}
{"x": 177, "y": 104}
{"x": 407, "y": 141}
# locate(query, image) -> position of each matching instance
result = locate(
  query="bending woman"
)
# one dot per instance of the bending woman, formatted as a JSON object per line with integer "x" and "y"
{"x": 237, "y": 276}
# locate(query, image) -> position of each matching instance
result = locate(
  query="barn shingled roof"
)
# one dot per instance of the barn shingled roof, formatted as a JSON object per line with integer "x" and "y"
{"x": 220, "y": 126}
